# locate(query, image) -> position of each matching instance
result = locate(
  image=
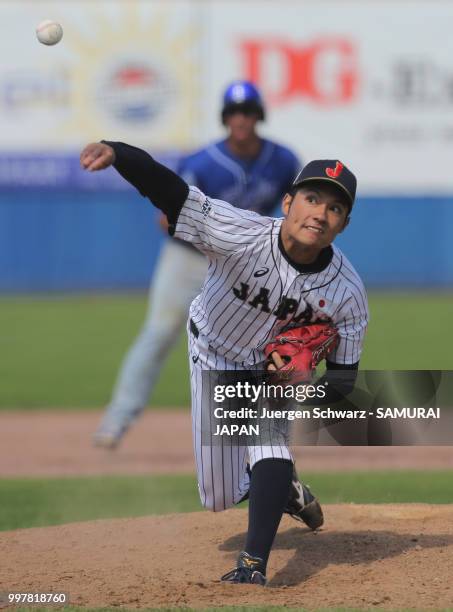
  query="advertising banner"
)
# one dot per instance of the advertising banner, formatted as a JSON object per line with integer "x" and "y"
{"x": 123, "y": 71}
{"x": 367, "y": 82}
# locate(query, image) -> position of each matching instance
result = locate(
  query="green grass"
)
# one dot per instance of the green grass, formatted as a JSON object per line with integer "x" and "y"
{"x": 408, "y": 332}
{"x": 32, "y": 502}
{"x": 28, "y": 502}
{"x": 66, "y": 351}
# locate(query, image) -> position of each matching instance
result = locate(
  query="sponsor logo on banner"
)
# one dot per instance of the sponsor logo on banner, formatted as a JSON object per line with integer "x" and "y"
{"x": 28, "y": 90}
{"x": 323, "y": 71}
{"x": 136, "y": 91}
{"x": 129, "y": 74}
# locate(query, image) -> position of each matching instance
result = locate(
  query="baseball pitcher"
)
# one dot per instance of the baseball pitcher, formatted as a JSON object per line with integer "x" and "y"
{"x": 265, "y": 275}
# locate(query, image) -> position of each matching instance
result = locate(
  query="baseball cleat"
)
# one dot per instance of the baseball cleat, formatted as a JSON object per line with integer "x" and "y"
{"x": 109, "y": 433}
{"x": 303, "y": 506}
{"x": 249, "y": 570}
{"x": 106, "y": 440}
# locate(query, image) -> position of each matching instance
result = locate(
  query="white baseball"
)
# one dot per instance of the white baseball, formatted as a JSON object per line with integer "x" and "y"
{"x": 49, "y": 32}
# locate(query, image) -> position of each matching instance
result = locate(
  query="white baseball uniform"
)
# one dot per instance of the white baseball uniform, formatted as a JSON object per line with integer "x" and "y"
{"x": 258, "y": 184}
{"x": 252, "y": 291}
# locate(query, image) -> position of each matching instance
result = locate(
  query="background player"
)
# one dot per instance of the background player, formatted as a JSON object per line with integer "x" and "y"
{"x": 244, "y": 169}
{"x": 264, "y": 275}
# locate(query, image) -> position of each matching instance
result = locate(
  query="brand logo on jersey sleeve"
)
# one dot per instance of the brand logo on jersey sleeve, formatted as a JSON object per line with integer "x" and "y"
{"x": 206, "y": 207}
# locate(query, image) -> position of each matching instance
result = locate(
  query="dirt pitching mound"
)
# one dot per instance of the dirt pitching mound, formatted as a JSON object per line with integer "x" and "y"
{"x": 398, "y": 556}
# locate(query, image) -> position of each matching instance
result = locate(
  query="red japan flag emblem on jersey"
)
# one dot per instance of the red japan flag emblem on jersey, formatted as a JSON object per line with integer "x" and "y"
{"x": 335, "y": 172}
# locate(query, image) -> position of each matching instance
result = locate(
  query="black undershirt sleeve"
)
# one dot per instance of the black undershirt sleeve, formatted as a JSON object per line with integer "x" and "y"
{"x": 341, "y": 380}
{"x": 165, "y": 189}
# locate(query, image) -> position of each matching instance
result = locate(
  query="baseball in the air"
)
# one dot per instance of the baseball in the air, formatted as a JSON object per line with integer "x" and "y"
{"x": 49, "y": 32}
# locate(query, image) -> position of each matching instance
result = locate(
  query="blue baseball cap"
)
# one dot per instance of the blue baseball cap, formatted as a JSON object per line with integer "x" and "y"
{"x": 242, "y": 96}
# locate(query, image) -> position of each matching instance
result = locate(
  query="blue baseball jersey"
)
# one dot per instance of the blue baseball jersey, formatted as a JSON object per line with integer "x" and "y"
{"x": 256, "y": 184}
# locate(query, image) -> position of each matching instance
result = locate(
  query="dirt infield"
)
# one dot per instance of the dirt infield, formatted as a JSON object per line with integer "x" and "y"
{"x": 58, "y": 443}
{"x": 382, "y": 556}
{"x": 367, "y": 556}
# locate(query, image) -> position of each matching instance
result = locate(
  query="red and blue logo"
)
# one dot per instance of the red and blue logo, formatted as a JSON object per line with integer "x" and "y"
{"x": 136, "y": 92}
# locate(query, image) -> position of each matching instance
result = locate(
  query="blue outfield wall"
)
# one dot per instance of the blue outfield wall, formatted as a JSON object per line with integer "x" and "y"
{"x": 401, "y": 241}
{"x": 61, "y": 240}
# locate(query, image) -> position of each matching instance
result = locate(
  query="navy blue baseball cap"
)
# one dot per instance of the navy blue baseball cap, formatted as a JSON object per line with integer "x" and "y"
{"x": 332, "y": 171}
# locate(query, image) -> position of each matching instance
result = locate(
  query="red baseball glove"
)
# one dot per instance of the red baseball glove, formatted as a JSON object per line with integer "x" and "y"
{"x": 292, "y": 356}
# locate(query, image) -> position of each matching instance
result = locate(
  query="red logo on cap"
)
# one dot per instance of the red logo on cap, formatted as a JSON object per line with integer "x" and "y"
{"x": 335, "y": 172}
